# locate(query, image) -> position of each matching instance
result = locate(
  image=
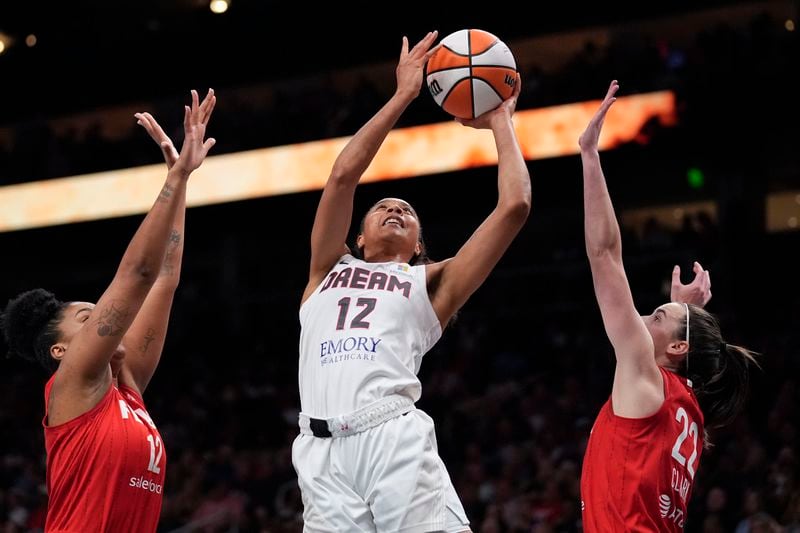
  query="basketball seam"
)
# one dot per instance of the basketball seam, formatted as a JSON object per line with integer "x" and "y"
{"x": 487, "y": 48}
{"x": 449, "y": 91}
{"x": 489, "y": 83}
{"x": 428, "y": 73}
{"x": 457, "y": 53}
{"x": 494, "y": 66}
{"x": 471, "y": 88}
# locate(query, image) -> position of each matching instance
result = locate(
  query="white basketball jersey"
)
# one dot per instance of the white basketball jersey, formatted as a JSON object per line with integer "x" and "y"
{"x": 364, "y": 331}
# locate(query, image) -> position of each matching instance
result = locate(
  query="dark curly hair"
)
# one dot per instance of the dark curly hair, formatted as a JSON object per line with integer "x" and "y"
{"x": 30, "y": 326}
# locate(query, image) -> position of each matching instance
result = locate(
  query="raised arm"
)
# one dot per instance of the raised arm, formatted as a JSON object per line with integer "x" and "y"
{"x": 637, "y": 381}
{"x": 84, "y": 372}
{"x": 146, "y": 336}
{"x": 454, "y": 280}
{"x": 335, "y": 209}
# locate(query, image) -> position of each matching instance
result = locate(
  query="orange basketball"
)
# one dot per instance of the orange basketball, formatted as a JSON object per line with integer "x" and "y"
{"x": 471, "y": 73}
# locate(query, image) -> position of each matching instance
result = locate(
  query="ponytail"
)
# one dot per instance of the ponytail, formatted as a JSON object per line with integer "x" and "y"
{"x": 719, "y": 372}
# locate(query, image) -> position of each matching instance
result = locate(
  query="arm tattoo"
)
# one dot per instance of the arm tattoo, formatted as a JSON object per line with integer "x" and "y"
{"x": 165, "y": 193}
{"x": 174, "y": 240}
{"x": 149, "y": 337}
{"x": 112, "y": 320}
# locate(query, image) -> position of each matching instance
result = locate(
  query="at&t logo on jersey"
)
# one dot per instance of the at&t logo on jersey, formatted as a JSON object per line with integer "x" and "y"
{"x": 669, "y": 511}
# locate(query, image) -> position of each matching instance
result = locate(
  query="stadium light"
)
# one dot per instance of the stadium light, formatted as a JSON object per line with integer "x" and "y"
{"x": 218, "y": 6}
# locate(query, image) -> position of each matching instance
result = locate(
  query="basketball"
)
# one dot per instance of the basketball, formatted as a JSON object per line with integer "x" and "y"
{"x": 471, "y": 73}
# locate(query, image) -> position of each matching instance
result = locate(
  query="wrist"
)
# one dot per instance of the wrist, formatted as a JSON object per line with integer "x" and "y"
{"x": 406, "y": 96}
{"x": 499, "y": 121}
{"x": 178, "y": 173}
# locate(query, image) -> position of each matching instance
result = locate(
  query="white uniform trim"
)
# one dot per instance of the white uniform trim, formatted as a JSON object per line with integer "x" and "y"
{"x": 365, "y": 418}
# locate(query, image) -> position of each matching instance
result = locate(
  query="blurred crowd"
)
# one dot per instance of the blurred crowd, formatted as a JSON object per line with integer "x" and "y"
{"x": 513, "y": 387}
{"x": 704, "y": 67}
{"x": 515, "y": 382}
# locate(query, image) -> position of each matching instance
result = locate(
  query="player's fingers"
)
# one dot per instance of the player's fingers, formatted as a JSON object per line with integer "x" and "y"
{"x": 421, "y": 47}
{"x": 430, "y": 38}
{"x": 612, "y": 89}
{"x": 604, "y": 107}
{"x": 169, "y": 153}
{"x": 156, "y": 127}
{"x": 209, "y": 110}
{"x": 203, "y": 108}
{"x": 676, "y": 276}
{"x": 195, "y": 102}
{"x": 140, "y": 120}
{"x": 429, "y": 54}
{"x": 404, "y": 47}
{"x": 517, "y": 86}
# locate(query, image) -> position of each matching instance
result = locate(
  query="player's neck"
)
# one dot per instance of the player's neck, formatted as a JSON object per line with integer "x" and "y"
{"x": 385, "y": 256}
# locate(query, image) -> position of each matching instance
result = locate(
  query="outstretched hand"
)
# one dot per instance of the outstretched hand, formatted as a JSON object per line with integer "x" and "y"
{"x": 149, "y": 123}
{"x": 589, "y": 138}
{"x": 195, "y": 120}
{"x": 503, "y": 112}
{"x": 698, "y": 292}
{"x": 412, "y": 64}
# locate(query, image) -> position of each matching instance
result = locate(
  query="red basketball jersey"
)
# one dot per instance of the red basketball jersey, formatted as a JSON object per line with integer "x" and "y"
{"x": 638, "y": 473}
{"x": 105, "y": 468}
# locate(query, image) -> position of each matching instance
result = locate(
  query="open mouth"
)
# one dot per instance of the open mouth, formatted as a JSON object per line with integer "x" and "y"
{"x": 394, "y": 220}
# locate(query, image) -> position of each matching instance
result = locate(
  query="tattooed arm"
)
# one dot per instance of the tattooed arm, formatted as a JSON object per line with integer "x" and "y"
{"x": 93, "y": 354}
{"x": 146, "y": 336}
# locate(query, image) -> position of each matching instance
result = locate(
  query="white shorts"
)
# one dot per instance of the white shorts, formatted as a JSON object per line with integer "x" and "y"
{"x": 388, "y": 478}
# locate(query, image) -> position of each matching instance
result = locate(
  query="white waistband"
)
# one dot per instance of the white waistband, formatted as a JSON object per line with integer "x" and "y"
{"x": 370, "y": 416}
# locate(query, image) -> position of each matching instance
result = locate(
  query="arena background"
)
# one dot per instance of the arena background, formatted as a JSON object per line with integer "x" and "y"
{"x": 516, "y": 381}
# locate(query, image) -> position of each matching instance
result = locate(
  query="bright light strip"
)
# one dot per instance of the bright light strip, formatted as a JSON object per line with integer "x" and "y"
{"x": 407, "y": 152}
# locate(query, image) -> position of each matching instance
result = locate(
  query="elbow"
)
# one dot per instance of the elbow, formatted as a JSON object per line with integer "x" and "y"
{"x": 518, "y": 210}
{"x": 603, "y": 251}
{"x": 141, "y": 273}
{"x": 343, "y": 174}
{"x": 338, "y": 175}
{"x": 145, "y": 274}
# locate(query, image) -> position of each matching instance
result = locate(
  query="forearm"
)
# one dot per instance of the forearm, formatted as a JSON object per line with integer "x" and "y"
{"x": 600, "y": 223}
{"x": 361, "y": 149}
{"x": 145, "y": 254}
{"x": 170, "y": 272}
{"x": 513, "y": 178}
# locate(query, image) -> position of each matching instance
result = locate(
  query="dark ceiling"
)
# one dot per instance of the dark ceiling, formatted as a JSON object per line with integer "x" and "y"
{"x": 95, "y": 53}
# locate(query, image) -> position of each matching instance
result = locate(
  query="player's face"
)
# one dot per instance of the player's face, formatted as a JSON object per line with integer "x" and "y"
{"x": 664, "y": 324}
{"x": 76, "y": 316}
{"x": 392, "y": 220}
